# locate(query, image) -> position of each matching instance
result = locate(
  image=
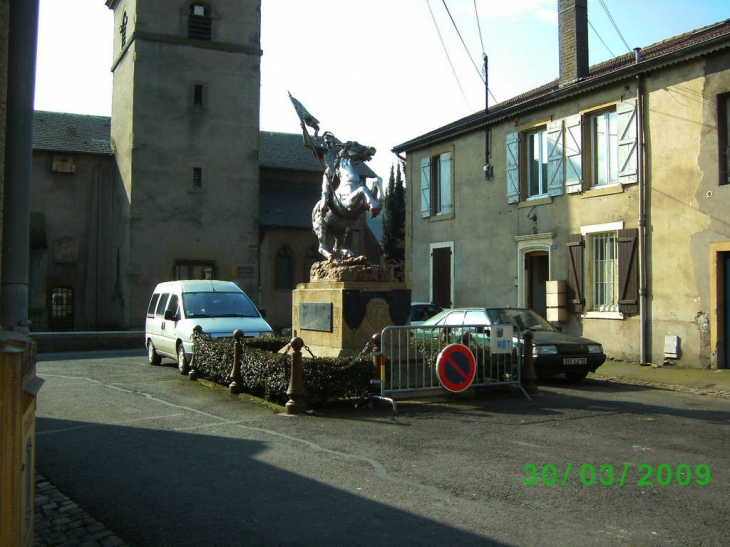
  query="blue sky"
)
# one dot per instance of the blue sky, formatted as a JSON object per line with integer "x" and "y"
{"x": 378, "y": 71}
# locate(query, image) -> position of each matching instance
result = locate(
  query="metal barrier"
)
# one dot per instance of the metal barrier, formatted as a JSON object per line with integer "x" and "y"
{"x": 408, "y": 355}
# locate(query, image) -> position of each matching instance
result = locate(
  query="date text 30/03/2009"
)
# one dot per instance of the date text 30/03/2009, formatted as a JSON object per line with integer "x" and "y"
{"x": 608, "y": 475}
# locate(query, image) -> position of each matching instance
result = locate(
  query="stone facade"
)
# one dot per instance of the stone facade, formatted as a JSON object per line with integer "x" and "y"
{"x": 659, "y": 214}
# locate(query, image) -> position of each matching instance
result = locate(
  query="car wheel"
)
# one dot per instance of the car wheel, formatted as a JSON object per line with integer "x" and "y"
{"x": 576, "y": 376}
{"x": 152, "y": 356}
{"x": 182, "y": 361}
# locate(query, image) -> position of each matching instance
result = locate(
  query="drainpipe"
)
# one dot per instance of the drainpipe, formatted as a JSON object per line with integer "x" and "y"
{"x": 643, "y": 296}
{"x": 22, "y": 39}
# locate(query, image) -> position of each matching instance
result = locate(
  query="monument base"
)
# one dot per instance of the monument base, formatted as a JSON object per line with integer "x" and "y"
{"x": 339, "y": 318}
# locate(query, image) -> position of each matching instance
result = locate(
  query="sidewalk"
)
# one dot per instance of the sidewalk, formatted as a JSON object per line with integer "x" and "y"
{"x": 59, "y": 522}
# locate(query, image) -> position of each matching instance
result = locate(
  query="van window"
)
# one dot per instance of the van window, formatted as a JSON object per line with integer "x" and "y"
{"x": 162, "y": 303}
{"x": 153, "y": 305}
{"x": 172, "y": 304}
{"x": 218, "y": 304}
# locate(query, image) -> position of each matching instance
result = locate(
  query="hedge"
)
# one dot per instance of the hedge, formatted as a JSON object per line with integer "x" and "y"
{"x": 266, "y": 373}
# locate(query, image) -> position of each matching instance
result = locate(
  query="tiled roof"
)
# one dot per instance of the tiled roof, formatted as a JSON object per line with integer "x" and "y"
{"x": 287, "y": 151}
{"x": 287, "y": 204}
{"x": 651, "y": 57}
{"x": 74, "y": 133}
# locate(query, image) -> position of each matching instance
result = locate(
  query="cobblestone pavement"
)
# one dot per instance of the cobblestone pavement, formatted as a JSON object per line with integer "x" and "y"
{"x": 59, "y": 522}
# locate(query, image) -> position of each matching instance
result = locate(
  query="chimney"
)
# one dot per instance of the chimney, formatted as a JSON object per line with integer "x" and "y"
{"x": 573, "y": 40}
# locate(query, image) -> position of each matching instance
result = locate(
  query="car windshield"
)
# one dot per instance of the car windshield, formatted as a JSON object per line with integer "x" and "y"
{"x": 521, "y": 319}
{"x": 218, "y": 304}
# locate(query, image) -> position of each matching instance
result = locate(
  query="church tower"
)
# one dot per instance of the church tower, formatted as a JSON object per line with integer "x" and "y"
{"x": 185, "y": 135}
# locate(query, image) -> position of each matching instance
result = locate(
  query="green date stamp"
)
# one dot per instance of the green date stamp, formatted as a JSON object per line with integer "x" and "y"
{"x": 608, "y": 475}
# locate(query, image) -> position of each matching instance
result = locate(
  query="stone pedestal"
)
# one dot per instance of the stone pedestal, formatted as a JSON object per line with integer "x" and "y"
{"x": 338, "y": 318}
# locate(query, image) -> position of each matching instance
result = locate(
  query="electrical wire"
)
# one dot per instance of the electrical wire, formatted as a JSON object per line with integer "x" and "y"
{"x": 443, "y": 45}
{"x": 601, "y": 39}
{"x": 479, "y": 27}
{"x": 615, "y": 26}
{"x": 462, "y": 41}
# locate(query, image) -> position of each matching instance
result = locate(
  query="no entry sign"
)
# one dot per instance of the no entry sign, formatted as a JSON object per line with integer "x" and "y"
{"x": 456, "y": 367}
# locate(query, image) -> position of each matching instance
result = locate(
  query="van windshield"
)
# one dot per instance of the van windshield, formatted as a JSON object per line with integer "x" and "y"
{"x": 218, "y": 304}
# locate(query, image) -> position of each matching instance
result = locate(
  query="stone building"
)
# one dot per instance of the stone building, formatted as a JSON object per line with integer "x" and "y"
{"x": 599, "y": 199}
{"x": 179, "y": 183}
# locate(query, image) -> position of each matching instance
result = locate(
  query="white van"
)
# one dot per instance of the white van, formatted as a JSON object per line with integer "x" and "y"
{"x": 176, "y": 307}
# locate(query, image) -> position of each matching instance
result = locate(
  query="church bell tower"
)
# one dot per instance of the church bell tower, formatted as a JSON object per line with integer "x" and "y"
{"x": 185, "y": 134}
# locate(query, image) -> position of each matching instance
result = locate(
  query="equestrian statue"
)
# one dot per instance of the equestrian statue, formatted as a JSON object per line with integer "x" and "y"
{"x": 345, "y": 197}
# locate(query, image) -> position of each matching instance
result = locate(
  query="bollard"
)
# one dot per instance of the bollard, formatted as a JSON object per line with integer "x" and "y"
{"x": 297, "y": 403}
{"x": 236, "y": 380}
{"x": 528, "y": 379}
{"x": 192, "y": 373}
{"x": 377, "y": 360}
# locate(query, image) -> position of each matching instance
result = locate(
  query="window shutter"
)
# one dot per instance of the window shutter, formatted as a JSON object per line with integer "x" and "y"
{"x": 628, "y": 271}
{"x": 575, "y": 273}
{"x": 426, "y": 187}
{"x": 555, "y": 158}
{"x": 627, "y": 142}
{"x": 445, "y": 183}
{"x": 513, "y": 168}
{"x": 573, "y": 150}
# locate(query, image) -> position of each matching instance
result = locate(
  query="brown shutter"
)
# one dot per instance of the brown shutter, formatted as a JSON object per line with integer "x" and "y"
{"x": 628, "y": 271}
{"x": 575, "y": 273}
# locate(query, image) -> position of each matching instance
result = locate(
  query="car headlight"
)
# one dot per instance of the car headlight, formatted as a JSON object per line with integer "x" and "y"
{"x": 544, "y": 350}
{"x": 595, "y": 348}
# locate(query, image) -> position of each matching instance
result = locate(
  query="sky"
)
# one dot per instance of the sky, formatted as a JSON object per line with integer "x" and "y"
{"x": 380, "y": 72}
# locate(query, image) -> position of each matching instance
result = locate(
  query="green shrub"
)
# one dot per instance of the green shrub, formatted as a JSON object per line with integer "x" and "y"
{"x": 266, "y": 373}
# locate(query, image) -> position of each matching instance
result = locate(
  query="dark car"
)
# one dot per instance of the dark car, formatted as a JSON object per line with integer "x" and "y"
{"x": 553, "y": 352}
{"x": 420, "y": 311}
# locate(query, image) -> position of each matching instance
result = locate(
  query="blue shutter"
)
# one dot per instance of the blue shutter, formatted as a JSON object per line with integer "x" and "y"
{"x": 556, "y": 175}
{"x": 627, "y": 142}
{"x": 513, "y": 168}
{"x": 426, "y": 187}
{"x": 445, "y": 183}
{"x": 573, "y": 151}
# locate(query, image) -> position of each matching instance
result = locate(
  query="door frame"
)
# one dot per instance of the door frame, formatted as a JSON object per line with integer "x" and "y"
{"x": 441, "y": 245}
{"x": 529, "y": 244}
{"x": 718, "y": 307}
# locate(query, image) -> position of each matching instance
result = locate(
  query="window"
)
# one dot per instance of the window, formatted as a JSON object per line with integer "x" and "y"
{"x": 200, "y": 23}
{"x": 123, "y": 29}
{"x": 198, "y": 94}
{"x": 605, "y": 272}
{"x": 602, "y": 275}
{"x": 194, "y": 270}
{"x": 197, "y": 177}
{"x": 436, "y": 177}
{"x": 723, "y": 125}
{"x": 537, "y": 163}
{"x": 604, "y": 148}
{"x": 283, "y": 269}
{"x": 61, "y": 310}
{"x": 580, "y": 152}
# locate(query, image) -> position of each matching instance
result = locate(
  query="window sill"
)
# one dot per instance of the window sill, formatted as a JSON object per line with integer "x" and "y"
{"x": 603, "y": 315}
{"x": 537, "y": 200}
{"x": 603, "y": 191}
{"x": 436, "y": 218}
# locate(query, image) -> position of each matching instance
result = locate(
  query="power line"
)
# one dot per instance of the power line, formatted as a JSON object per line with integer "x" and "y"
{"x": 443, "y": 45}
{"x": 462, "y": 41}
{"x": 615, "y": 26}
{"x": 601, "y": 39}
{"x": 479, "y": 27}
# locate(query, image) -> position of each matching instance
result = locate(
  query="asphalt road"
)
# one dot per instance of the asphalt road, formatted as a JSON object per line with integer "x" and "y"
{"x": 164, "y": 461}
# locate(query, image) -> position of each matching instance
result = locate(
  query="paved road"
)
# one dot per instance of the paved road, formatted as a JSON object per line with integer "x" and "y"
{"x": 164, "y": 461}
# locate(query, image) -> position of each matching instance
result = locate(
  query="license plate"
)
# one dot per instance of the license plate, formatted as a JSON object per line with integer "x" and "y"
{"x": 575, "y": 361}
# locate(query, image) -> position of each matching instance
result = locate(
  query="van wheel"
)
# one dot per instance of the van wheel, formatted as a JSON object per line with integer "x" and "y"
{"x": 576, "y": 376}
{"x": 182, "y": 361}
{"x": 152, "y": 356}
